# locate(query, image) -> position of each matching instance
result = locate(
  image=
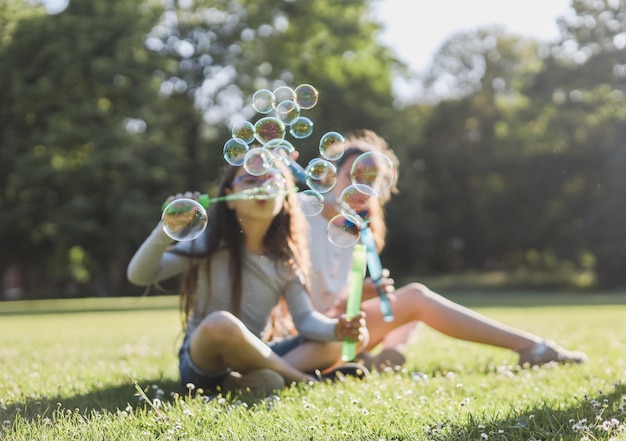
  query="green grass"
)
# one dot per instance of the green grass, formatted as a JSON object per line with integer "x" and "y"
{"x": 71, "y": 369}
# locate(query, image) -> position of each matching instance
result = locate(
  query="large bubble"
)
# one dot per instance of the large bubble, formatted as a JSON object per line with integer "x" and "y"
{"x": 184, "y": 219}
{"x": 374, "y": 170}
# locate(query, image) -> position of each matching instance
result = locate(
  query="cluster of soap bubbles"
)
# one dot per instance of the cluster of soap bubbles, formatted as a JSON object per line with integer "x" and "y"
{"x": 255, "y": 146}
{"x": 283, "y": 110}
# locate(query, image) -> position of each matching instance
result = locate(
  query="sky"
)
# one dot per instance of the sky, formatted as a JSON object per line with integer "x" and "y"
{"x": 416, "y": 29}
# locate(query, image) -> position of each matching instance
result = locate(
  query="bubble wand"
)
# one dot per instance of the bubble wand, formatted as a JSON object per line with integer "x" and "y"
{"x": 258, "y": 193}
{"x": 353, "y": 305}
{"x": 186, "y": 218}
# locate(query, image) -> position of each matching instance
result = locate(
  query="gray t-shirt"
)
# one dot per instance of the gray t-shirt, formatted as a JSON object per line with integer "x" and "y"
{"x": 264, "y": 280}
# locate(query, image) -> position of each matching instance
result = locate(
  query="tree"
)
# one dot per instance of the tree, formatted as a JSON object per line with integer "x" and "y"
{"x": 225, "y": 51}
{"x": 110, "y": 106}
{"x": 591, "y": 60}
{"x": 86, "y": 160}
{"x": 464, "y": 151}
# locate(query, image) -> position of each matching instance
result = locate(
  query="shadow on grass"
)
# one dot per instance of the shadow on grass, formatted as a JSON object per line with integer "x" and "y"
{"x": 602, "y": 416}
{"x": 109, "y": 399}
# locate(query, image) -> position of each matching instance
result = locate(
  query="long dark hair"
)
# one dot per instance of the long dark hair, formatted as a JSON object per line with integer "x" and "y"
{"x": 367, "y": 141}
{"x": 286, "y": 241}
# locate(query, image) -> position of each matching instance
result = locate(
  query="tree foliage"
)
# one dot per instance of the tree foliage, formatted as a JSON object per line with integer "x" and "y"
{"x": 83, "y": 157}
{"x": 514, "y": 158}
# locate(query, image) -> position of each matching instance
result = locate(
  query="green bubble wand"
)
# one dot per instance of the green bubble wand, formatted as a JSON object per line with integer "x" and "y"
{"x": 258, "y": 193}
{"x": 353, "y": 305}
{"x": 186, "y": 218}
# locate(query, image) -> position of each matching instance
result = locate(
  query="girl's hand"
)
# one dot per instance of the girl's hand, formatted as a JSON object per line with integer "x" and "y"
{"x": 351, "y": 329}
{"x": 188, "y": 195}
{"x": 369, "y": 287}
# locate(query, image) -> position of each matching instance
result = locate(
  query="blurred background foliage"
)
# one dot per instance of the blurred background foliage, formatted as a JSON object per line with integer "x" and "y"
{"x": 512, "y": 159}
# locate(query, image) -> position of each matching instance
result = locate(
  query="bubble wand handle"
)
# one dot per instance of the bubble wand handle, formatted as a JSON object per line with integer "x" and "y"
{"x": 353, "y": 305}
{"x": 375, "y": 269}
{"x": 297, "y": 170}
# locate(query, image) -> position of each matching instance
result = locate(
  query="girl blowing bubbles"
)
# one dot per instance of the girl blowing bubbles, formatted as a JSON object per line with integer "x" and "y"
{"x": 252, "y": 253}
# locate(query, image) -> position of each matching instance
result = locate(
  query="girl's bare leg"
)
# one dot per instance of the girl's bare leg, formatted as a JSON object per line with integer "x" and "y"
{"x": 222, "y": 341}
{"x": 416, "y": 302}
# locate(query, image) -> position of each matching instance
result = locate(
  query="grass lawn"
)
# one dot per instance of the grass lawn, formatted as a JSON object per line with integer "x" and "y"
{"x": 106, "y": 369}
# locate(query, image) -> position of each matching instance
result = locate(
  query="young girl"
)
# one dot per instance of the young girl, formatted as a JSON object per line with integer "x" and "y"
{"x": 413, "y": 303}
{"x": 252, "y": 253}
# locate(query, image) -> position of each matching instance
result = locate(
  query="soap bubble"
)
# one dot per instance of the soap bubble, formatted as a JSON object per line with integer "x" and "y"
{"x": 301, "y": 127}
{"x": 282, "y": 149}
{"x": 263, "y": 101}
{"x": 269, "y": 128}
{"x": 374, "y": 170}
{"x": 283, "y": 93}
{"x": 258, "y": 161}
{"x": 343, "y": 230}
{"x": 306, "y": 96}
{"x": 235, "y": 150}
{"x": 243, "y": 130}
{"x": 321, "y": 175}
{"x": 311, "y": 202}
{"x": 332, "y": 145}
{"x": 184, "y": 219}
{"x": 355, "y": 200}
{"x": 287, "y": 111}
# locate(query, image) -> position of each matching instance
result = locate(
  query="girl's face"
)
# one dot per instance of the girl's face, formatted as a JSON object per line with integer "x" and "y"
{"x": 267, "y": 205}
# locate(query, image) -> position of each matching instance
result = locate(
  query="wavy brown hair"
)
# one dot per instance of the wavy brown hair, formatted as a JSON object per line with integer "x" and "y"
{"x": 367, "y": 141}
{"x": 286, "y": 241}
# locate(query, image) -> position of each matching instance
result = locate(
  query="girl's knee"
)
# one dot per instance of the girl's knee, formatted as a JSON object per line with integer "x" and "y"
{"x": 419, "y": 290}
{"x": 220, "y": 325}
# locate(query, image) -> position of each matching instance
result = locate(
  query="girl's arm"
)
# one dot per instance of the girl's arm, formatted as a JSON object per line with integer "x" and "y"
{"x": 309, "y": 323}
{"x": 152, "y": 263}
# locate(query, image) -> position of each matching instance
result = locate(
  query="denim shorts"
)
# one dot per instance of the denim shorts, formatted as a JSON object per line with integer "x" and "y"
{"x": 190, "y": 373}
